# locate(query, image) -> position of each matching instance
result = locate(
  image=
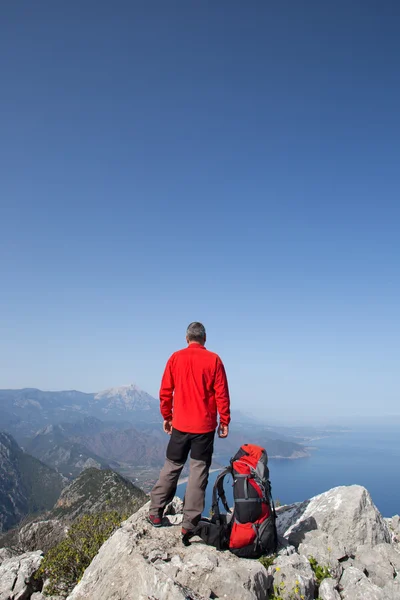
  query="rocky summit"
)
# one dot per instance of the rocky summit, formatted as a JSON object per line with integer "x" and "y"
{"x": 335, "y": 546}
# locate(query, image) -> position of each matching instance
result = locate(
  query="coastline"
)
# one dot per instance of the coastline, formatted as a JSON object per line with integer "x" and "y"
{"x": 296, "y": 457}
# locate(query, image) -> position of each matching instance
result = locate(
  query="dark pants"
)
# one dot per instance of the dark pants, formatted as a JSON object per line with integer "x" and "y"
{"x": 200, "y": 446}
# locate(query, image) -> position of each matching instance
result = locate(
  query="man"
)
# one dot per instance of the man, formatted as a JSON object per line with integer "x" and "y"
{"x": 194, "y": 390}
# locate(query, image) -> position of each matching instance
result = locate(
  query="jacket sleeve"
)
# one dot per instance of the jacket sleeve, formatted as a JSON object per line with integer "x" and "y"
{"x": 167, "y": 392}
{"x": 222, "y": 394}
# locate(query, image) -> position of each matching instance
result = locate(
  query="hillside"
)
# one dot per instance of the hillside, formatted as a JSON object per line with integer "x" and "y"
{"x": 140, "y": 448}
{"x": 95, "y": 491}
{"x": 26, "y": 484}
{"x": 54, "y": 446}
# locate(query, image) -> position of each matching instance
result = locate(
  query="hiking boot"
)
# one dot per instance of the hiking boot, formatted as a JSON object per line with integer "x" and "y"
{"x": 155, "y": 520}
{"x": 186, "y": 535}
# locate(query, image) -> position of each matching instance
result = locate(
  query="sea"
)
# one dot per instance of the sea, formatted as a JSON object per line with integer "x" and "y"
{"x": 366, "y": 456}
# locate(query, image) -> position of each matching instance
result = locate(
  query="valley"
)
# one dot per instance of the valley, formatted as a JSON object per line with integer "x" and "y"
{"x": 119, "y": 429}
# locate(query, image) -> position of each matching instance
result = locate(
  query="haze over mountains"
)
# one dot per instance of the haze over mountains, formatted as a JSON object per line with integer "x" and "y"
{"x": 24, "y": 412}
{"x": 59, "y": 435}
{"x": 119, "y": 428}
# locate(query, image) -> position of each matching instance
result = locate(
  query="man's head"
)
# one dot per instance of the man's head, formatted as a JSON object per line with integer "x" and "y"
{"x": 196, "y": 332}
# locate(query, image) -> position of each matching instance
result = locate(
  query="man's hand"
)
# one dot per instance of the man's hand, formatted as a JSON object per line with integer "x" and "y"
{"x": 167, "y": 426}
{"x": 223, "y": 431}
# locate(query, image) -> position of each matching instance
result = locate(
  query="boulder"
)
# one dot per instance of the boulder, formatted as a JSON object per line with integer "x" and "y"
{"x": 381, "y": 563}
{"x": 318, "y": 547}
{"x": 292, "y": 577}
{"x": 328, "y": 591}
{"x": 334, "y": 524}
{"x": 17, "y": 580}
{"x": 354, "y": 585}
{"x": 41, "y": 535}
{"x": 140, "y": 562}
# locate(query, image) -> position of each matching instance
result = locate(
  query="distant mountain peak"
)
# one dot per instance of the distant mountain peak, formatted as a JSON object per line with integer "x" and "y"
{"x": 127, "y": 396}
{"x": 121, "y": 389}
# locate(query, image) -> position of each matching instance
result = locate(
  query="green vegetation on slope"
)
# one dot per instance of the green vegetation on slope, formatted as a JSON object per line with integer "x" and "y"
{"x": 97, "y": 490}
{"x": 65, "y": 564}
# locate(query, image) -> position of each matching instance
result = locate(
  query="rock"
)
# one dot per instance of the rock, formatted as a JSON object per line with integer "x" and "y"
{"x": 354, "y": 585}
{"x": 328, "y": 591}
{"x": 41, "y": 596}
{"x": 285, "y": 549}
{"x": 292, "y": 577}
{"x": 318, "y": 547}
{"x": 140, "y": 562}
{"x": 381, "y": 563}
{"x": 286, "y": 516}
{"x": 17, "y": 580}
{"x": 5, "y": 553}
{"x": 41, "y": 535}
{"x": 394, "y": 528}
{"x": 392, "y": 590}
{"x": 334, "y": 523}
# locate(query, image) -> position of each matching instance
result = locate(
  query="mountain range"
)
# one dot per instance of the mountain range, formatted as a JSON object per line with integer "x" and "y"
{"x": 119, "y": 428}
{"x": 23, "y": 412}
{"x": 71, "y": 447}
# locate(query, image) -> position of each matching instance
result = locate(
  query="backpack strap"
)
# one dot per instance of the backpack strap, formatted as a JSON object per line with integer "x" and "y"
{"x": 219, "y": 492}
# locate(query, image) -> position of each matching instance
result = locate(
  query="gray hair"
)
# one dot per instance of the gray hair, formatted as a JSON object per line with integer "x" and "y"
{"x": 196, "y": 332}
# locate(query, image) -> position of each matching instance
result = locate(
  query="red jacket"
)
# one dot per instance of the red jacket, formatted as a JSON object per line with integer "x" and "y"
{"x": 193, "y": 389}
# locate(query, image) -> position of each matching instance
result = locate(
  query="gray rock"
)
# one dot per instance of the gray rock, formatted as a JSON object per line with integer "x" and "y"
{"x": 392, "y": 590}
{"x": 336, "y": 521}
{"x": 139, "y": 562}
{"x": 41, "y": 596}
{"x": 5, "y": 553}
{"x": 292, "y": 577}
{"x": 394, "y": 528}
{"x": 381, "y": 563}
{"x": 318, "y": 547}
{"x": 354, "y": 585}
{"x": 286, "y": 516}
{"x": 328, "y": 591}
{"x": 285, "y": 549}
{"x": 16, "y": 576}
{"x": 41, "y": 535}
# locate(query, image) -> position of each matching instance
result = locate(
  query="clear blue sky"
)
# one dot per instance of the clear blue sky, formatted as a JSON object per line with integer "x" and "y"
{"x": 231, "y": 162}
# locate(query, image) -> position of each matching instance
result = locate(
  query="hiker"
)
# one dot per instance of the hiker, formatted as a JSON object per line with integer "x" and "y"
{"x": 194, "y": 391}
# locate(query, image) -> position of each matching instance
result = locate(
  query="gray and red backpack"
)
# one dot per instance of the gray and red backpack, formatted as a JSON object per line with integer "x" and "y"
{"x": 250, "y": 532}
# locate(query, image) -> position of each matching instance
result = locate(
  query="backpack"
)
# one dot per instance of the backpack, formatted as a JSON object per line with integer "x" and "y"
{"x": 249, "y": 531}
